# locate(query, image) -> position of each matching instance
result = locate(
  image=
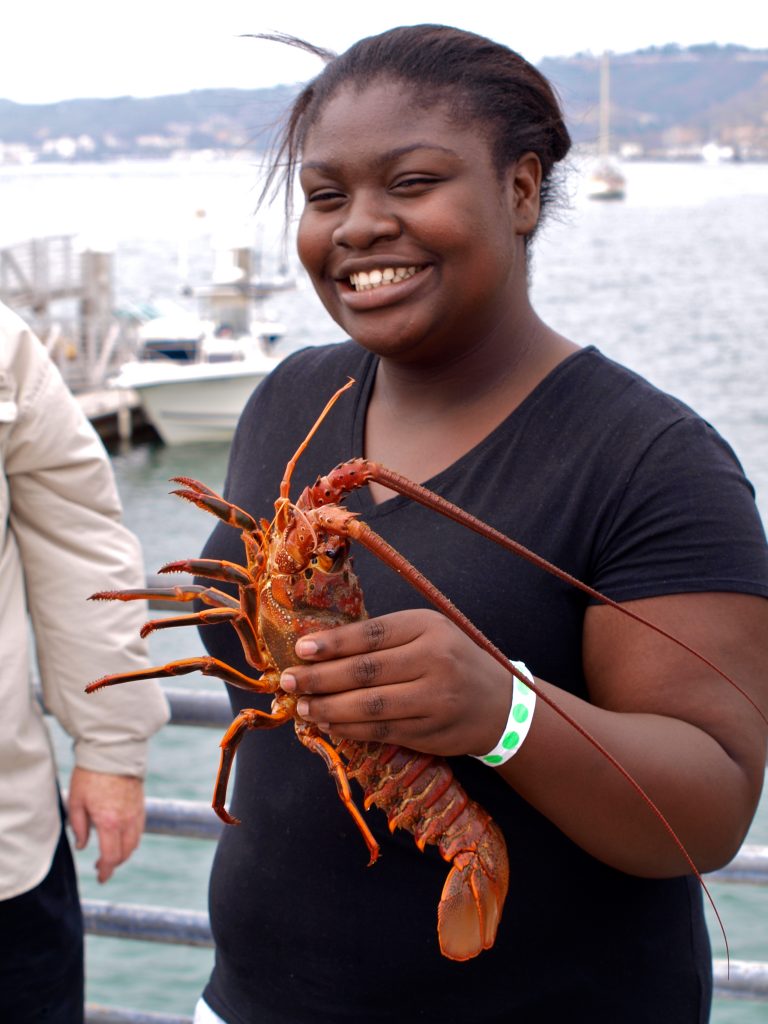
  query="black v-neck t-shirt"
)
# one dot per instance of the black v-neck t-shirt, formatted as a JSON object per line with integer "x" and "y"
{"x": 624, "y": 487}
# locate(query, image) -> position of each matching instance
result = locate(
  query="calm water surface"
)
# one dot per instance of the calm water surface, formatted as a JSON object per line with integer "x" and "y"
{"x": 671, "y": 282}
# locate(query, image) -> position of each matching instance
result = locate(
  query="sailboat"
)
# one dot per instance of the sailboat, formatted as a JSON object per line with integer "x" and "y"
{"x": 605, "y": 179}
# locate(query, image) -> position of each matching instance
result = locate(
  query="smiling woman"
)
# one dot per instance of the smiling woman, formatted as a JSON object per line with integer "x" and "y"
{"x": 427, "y": 156}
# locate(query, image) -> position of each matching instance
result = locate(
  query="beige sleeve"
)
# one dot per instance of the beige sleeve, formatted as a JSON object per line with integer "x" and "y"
{"x": 66, "y": 518}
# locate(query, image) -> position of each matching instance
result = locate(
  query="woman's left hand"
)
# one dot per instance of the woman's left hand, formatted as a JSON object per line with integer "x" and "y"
{"x": 410, "y": 678}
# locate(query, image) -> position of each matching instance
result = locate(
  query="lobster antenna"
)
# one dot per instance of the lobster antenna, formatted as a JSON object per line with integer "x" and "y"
{"x": 412, "y": 490}
{"x": 381, "y": 549}
{"x": 285, "y": 483}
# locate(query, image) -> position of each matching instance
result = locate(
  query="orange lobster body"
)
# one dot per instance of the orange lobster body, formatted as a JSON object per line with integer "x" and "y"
{"x": 417, "y": 791}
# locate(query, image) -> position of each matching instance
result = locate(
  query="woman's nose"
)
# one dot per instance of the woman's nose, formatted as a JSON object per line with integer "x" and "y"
{"x": 366, "y": 219}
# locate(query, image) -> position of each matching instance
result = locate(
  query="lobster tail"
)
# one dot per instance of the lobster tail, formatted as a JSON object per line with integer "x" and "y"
{"x": 420, "y": 794}
{"x": 473, "y": 896}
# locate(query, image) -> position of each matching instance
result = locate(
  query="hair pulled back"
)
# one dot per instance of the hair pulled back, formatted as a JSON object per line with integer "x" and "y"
{"x": 486, "y": 83}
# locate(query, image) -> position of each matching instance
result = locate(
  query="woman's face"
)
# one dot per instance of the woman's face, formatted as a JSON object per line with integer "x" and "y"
{"x": 412, "y": 239}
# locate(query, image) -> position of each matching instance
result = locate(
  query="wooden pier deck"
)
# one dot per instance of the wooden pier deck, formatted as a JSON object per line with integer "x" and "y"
{"x": 116, "y": 414}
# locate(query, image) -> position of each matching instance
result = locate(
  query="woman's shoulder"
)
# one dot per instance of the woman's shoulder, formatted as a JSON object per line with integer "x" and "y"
{"x": 613, "y": 407}
{"x": 614, "y": 386}
{"x": 670, "y": 508}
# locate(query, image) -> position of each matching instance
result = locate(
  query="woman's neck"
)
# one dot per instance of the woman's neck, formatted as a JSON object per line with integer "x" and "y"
{"x": 502, "y": 367}
{"x": 421, "y": 419}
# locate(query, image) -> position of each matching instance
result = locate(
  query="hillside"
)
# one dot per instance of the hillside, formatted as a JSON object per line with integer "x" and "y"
{"x": 665, "y": 101}
{"x": 98, "y": 129}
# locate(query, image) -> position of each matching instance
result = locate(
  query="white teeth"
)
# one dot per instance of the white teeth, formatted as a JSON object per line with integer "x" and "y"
{"x": 363, "y": 281}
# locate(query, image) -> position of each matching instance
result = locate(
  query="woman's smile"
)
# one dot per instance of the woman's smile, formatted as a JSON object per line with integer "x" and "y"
{"x": 363, "y": 282}
{"x": 381, "y": 287}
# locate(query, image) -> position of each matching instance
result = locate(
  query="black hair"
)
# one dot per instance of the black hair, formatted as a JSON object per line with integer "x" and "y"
{"x": 485, "y": 82}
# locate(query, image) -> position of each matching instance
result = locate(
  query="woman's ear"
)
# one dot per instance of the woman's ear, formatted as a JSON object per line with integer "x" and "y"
{"x": 523, "y": 183}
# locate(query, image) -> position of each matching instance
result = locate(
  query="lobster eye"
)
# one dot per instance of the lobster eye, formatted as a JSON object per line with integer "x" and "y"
{"x": 331, "y": 558}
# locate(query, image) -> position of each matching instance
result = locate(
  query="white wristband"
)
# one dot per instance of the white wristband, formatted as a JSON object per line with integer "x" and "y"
{"x": 518, "y": 723}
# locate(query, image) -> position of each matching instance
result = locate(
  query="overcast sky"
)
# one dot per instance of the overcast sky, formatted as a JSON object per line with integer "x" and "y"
{"x": 61, "y": 49}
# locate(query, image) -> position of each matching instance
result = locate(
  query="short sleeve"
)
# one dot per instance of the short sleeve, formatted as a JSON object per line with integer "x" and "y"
{"x": 686, "y": 521}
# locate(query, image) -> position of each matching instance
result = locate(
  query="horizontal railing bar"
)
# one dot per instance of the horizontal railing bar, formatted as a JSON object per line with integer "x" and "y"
{"x": 146, "y": 923}
{"x": 749, "y": 865}
{"x": 192, "y": 819}
{"x": 195, "y": 819}
{"x": 198, "y": 707}
{"x": 97, "y": 1014}
{"x": 741, "y": 979}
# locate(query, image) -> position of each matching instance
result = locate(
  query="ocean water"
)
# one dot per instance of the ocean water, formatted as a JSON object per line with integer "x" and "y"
{"x": 671, "y": 282}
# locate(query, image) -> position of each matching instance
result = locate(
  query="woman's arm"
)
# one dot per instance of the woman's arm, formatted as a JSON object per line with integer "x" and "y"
{"x": 694, "y": 744}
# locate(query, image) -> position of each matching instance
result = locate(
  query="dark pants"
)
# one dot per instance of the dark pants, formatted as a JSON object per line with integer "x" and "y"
{"x": 41, "y": 949}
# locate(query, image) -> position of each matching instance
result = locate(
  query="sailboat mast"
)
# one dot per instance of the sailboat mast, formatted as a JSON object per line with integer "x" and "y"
{"x": 605, "y": 105}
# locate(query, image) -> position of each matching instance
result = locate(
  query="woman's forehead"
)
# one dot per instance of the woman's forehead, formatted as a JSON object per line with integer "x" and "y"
{"x": 387, "y": 114}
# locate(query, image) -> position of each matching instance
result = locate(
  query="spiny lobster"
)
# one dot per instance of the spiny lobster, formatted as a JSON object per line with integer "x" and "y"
{"x": 298, "y": 579}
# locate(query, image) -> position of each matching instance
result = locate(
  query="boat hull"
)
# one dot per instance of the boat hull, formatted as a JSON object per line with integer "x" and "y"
{"x": 198, "y": 403}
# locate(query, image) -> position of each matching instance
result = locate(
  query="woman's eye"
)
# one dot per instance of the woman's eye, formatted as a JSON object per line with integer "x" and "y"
{"x": 415, "y": 182}
{"x": 325, "y": 195}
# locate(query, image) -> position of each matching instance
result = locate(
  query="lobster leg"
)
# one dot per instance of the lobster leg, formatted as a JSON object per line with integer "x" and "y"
{"x": 336, "y": 767}
{"x": 207, "y": 666}
{"x": 204, "y": 618}
{"x": 190, "y": 592}
{"x": 239, "y": 612}
{"x": 212, "y": 502}
{"x": 208, "y": 595}
{"x": 243, "y": 622}
{"x": 211, "y": 569}
{"x": 248, "y": 718}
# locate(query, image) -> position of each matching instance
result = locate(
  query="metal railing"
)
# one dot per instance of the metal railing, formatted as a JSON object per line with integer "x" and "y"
{"x": 739, "y": 979}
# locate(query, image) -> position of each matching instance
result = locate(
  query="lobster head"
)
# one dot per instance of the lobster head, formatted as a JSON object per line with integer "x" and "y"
{"x": 307, "y": 583}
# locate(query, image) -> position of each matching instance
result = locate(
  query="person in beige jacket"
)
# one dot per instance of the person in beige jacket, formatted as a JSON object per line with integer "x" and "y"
{"x": 61, "y": 539}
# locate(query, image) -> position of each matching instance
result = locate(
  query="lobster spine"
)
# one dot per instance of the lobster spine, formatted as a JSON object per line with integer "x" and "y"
{"x": 420, "y": 793}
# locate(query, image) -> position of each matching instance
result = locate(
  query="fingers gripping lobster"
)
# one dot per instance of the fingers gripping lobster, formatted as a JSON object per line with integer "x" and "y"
{"x": 298, "y": 579}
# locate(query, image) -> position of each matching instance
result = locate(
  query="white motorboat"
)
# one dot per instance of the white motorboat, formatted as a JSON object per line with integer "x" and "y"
{"x": 193, "y": 375}
{"x": 193, "y": 380}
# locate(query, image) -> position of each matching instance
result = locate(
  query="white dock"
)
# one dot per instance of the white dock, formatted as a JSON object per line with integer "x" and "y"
{"x": 115, "y": 412}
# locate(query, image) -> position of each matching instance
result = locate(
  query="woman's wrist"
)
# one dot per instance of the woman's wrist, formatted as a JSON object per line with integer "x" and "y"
{"x": 518, "y": 722}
